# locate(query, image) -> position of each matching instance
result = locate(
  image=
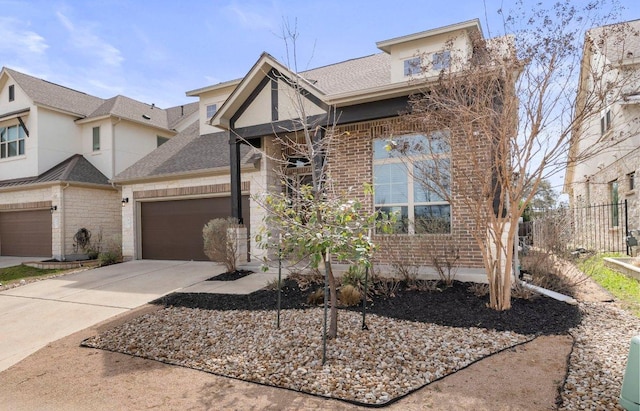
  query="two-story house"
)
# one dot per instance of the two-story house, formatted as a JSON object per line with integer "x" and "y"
{"x": 219, "y": 166}
{"x": 58, "y": 149}
{"x": 604, "y": 156}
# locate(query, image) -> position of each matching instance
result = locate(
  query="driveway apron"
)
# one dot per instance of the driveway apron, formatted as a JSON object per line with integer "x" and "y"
{"x": 33, "y": 315}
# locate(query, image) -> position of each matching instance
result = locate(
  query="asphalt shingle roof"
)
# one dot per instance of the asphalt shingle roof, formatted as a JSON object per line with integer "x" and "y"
{"x": 53, "y": 95}
{"x": 183, "y": 153}
{"x": 75, "y": 169}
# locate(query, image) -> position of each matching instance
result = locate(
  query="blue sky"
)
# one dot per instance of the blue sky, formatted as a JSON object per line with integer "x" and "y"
{"x": 156, "y": 51}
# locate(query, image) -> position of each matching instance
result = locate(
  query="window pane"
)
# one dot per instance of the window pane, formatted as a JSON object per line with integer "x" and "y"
{"x": 431, "y": 180}
{"x": 441, "y": 60}
{"x": 12, "y": 149}
{"x": 390, "y": 184}
{"x": 12, "y": 133}
{"x": 211, "y": 110}
{"x": 433, "y": 219}
{"x": 412, "y": 66}
{"x": 96, "y": 139}
{"x": 379, "y": 150}
{"x": 3, "y": 134}
{"x": 3, "y": 151}
{"x": 402, "y": 218}
{"x": 20, "y": 147}
{"x": 21, "y": 133}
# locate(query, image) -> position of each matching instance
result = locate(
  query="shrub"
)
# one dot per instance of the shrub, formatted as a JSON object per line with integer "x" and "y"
{"x": 316, "y": 297}
{"x": 479, "y": 289}
{"x": 112, "y": 253}
{"x": 350, "y": 295}
{"x": 220, "y": 242}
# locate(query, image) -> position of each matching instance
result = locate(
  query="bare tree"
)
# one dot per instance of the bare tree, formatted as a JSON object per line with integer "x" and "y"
{"x": 500, "y": 118}
{"x": 308, "y": 218}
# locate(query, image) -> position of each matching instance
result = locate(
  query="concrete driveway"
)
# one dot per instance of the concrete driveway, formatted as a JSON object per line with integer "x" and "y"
{"x": 33, "y": 315}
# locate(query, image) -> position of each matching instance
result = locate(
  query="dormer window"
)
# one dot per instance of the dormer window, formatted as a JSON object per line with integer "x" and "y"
{"x": 211, "y": 110}
{"x": 412, "y": 66}
{"x": 12, "y": 92}
{"x": 441, "y": 60}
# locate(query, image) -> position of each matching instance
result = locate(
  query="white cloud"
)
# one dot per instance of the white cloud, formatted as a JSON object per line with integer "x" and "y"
{"x": 83, "y": 38}
{"x": 17, "y": 39}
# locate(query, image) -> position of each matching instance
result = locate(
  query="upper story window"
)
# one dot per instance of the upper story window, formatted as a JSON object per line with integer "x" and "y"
{"x": 631, "y": 178}
{"x": 605, "y": 121}
{"x": 413, "y": 181}
{"x": 12, "y": 92}
{"x": 12, "y": 140}
{"x": 211, "y": 110}
{"x": 614, "y": 198}
{"x": 161, "y": 140}
{"x": 441, "y": 60}
{"x": 412, "y": 66}
{"x": 96, "y": 139}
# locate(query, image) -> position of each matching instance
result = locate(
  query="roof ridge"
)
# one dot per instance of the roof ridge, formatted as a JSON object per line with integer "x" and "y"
{"x": 341, "y": 62}
{"x": 12, "y": 72}
{"x": 68, "y": 168}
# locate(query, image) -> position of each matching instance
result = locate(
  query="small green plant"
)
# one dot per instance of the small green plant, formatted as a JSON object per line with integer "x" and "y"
{"x": 354, "y": 276}
{"x": 350, "y": 295}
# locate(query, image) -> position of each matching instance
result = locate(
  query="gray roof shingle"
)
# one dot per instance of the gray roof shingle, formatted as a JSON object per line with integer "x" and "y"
{"x": 183, "y": 153}
{"x": 53, "y": 95}
{"x": 125, "y": 107}
{"x": 75, "y": 169}
{"x": 619, "y": 41}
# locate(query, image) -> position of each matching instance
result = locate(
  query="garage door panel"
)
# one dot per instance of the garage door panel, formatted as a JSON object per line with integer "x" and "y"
{"x": 25, "y": 233}
{"x": 172, "y": 230}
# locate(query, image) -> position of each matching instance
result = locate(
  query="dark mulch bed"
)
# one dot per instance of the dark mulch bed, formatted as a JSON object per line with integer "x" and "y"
{"x": 230, "y": 275}
{"x": 454, "y": 306}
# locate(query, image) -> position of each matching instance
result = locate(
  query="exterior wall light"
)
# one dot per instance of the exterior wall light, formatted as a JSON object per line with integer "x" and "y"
{"x": 53, "y": 208}
{"x": 125, "y": 201}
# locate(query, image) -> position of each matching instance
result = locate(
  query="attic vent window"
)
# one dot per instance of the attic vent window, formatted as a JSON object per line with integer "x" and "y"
{"x": 412, "y": 66}
{"x": 12, "y": 92}
{"x": 146, "y": 117}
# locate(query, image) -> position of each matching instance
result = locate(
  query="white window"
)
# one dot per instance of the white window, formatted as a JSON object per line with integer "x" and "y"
{"x": 413, "y": 181}
{"x": 211, "y": 110}
{"x": 605, "y": 121}
{"x": 96, "y": 139}
{"x": 412, "y": 66}
{"x": 441, "y": 60}
{"x": 12, "y": 140}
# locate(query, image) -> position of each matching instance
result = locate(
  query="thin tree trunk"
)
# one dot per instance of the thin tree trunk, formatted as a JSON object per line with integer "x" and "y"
{"x": 333, "y": 301}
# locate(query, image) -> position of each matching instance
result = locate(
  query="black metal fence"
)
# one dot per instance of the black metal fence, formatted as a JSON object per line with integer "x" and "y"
{"x": 601, "y": 228}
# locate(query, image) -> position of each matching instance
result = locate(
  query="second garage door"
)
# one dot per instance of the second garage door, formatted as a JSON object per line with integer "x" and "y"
{"x": 25, "y": 233}
{"x": 172, "y": 230}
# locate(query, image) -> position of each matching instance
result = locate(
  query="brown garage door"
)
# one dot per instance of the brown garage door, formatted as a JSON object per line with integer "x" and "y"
{"x": 172, "y": 230}
{"x": 25, "y": 233}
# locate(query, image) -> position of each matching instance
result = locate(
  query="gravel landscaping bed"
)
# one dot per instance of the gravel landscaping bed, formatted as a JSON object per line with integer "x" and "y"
{"x": 599, "y": 357}
{"x": 413, "y": 339}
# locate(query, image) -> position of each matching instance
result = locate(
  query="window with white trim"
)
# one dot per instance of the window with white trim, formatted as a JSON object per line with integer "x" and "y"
{"x": 96, "y": 139}
{"x": 412, "y": 180}
{"x": 12, "y": 141}
{"x": 12, "y": 92}
{"x": 211, "y": 110}
{"x": 605, "y": 121}
{"x": 441, "y": 60}
{"x": 412, "y": 66}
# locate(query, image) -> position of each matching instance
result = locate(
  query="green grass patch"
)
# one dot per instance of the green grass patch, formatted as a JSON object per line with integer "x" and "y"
{"x": 623, "y": 288}
{"x": 19, "y": 272}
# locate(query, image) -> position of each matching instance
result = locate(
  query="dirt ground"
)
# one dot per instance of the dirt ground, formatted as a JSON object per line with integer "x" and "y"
{"x": 65, "y": 376}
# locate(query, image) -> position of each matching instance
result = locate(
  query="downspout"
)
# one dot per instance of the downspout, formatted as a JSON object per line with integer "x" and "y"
{"x": 63, "y": 210}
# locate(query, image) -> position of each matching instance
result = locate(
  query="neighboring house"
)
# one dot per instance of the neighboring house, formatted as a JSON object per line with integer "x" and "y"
{"x": 609, "y": 173}
{"x": 368, "y": 95}
{"x": 58, "y": 149}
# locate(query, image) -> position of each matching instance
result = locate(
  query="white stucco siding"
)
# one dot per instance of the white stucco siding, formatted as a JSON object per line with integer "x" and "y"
{"x": 57, "y": 138}
{"x": 259, "y": 111}
{"x": 217, "y": 97}
{"x": 132, "y": 142}
{"x": 27, "y": 164}
{"x": 460, "y": 50}
{"x": 291, "y": 103}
